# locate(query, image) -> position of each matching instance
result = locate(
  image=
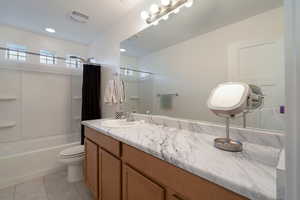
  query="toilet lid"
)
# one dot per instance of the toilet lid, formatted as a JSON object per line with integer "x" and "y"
{"x": 73, "y": 151}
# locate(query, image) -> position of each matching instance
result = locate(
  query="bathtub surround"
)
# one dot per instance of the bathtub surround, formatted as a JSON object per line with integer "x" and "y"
{"x": 251, "y": 173}
{"x": 91, "y": 94}
{"x": 46, "y": 112}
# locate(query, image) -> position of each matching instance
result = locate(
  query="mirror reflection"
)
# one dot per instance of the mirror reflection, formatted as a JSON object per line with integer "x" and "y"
{"x": 172, "y": 67}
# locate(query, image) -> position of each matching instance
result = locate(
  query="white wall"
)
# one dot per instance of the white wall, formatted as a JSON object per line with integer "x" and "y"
{"x": 194, "y": 67}
{"x": 128, "y": 61}
{"x": 292, "y": 39}
{"x": 36, "y": 42}
{"x": 106, "y": 49}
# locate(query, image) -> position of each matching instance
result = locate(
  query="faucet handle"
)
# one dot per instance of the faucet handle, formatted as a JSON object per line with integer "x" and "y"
{"x": 129, "y": 116}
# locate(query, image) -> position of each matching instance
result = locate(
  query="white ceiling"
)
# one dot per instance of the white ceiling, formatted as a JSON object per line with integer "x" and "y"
{"x": 203, "y": 17}
{"x": 36, "y": 15}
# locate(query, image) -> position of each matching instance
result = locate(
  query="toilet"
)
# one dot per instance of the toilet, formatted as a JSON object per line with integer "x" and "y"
{"x": 73, "y": 157}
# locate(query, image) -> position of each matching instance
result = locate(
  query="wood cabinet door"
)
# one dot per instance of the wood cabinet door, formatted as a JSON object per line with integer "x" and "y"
{"x": 174, "y": 197}
{"x": 110, "y": 177}
{"x": 91, "y": 167}
{"x": 224, "y": 194}
{"x": 139, "y": 187}
{"x": 171, "y": 195}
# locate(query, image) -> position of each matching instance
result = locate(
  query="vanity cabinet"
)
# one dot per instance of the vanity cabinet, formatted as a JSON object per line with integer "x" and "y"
{"x": 102, "y": 166}
{"x": 173, "y": 196}
{"x": 117, "y": 171}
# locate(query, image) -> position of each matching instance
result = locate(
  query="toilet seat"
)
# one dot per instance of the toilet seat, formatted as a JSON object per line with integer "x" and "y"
{"x": 73, "y": 152}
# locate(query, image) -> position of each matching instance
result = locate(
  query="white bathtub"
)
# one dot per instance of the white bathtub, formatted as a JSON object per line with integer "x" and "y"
{"x": 27, "y": 159}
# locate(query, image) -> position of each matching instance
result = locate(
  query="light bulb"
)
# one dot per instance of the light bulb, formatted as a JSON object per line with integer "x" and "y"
{"x": 144, "y": 15}
{"x": 189, "y": 3}
{"x": 166, "y": 17}
{"x": 155, "y": 23}
{"x": 176, "y": 10}
{"x": 50, "y": 30}
{"x": 154, "y": 9}
{"x": 166, "y": 2}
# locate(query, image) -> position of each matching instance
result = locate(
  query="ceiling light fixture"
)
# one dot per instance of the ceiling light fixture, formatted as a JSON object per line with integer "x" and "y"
{"x": 123, "y": 50}
{"x": 154, "y": 9}
{"x": 166, "y": 17}
{"x": 189, "y": 3}
{"x": 50, "y": 30}
{"x": 155, "y": 23}
{"x": 166, "y": 2}
{"x": 161, "y": 12}
{"x": 176, "y": 11}
{"x": 144, "y": 15}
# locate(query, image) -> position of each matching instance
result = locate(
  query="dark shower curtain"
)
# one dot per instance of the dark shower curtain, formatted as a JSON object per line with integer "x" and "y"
{"x": 91, "y": 94}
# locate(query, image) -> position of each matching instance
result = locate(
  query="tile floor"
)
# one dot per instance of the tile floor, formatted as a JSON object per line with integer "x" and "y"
{"x": 50, "y": 187}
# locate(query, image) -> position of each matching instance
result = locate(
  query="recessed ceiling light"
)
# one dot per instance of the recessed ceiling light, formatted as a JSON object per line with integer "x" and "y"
{"x": 50, "y": 30}
{"x": 122, "y": 50}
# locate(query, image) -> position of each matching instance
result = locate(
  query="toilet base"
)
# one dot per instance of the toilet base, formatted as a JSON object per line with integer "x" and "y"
{"x": 75, "y": 172}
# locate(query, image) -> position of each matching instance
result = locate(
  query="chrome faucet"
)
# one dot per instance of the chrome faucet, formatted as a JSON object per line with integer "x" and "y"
{"x": 129, "y": 117}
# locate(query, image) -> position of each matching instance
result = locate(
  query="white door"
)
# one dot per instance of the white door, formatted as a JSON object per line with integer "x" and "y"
{"x": 261, "y": 64}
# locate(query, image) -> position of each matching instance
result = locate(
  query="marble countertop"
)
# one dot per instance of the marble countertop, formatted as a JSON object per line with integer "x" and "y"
{"x": 251, "y": 173}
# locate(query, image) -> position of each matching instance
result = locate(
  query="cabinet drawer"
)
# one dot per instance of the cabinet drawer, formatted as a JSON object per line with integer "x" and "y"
{"x": 111, "y": 145}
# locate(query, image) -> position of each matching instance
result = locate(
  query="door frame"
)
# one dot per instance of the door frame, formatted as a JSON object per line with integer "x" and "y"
{"x": 292, "y": 67}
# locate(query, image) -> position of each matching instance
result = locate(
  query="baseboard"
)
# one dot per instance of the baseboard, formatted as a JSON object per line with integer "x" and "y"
{"x": 21, "y": 179}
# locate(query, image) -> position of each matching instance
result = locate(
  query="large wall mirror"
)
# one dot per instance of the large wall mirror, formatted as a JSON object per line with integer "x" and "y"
{"x": 178, "y": 62}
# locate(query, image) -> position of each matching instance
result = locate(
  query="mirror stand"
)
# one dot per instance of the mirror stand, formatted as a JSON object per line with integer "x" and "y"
{"x": 228, "y": 144}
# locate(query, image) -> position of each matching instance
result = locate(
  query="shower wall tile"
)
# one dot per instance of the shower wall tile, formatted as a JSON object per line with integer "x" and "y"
{"x": 10, "y": 84}
{"x": 76, "y": 88}
{"x": 7, "y": 193}
{"x": 46, "y": 104}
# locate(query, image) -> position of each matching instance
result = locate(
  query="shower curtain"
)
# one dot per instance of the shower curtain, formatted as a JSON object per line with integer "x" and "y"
{"x": 91, "y": 93}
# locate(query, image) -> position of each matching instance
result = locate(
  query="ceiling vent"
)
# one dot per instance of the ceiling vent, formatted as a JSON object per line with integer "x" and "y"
{"x": 79, "y": 17}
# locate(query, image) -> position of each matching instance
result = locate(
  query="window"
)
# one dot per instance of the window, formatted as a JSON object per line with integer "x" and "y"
{"x": 15, "y": 52}
{"x": 47, "y": 57}
{"x": 73, "y": 62}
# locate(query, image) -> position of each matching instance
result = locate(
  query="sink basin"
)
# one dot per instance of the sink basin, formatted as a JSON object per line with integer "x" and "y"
{"x": 119, "y": 123}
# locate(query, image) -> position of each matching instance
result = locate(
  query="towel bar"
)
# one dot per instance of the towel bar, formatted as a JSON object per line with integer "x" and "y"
{"x": 175, "y": 94}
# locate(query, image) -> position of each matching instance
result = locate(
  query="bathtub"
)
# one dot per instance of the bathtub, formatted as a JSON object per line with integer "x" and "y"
{"x": 27, "y": 159}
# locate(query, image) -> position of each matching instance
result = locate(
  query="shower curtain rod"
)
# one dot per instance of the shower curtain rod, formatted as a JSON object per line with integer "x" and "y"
{"x": 136, "y": 70}
{"x": 82, "y": 60}
{"x": 31, "y": 53}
